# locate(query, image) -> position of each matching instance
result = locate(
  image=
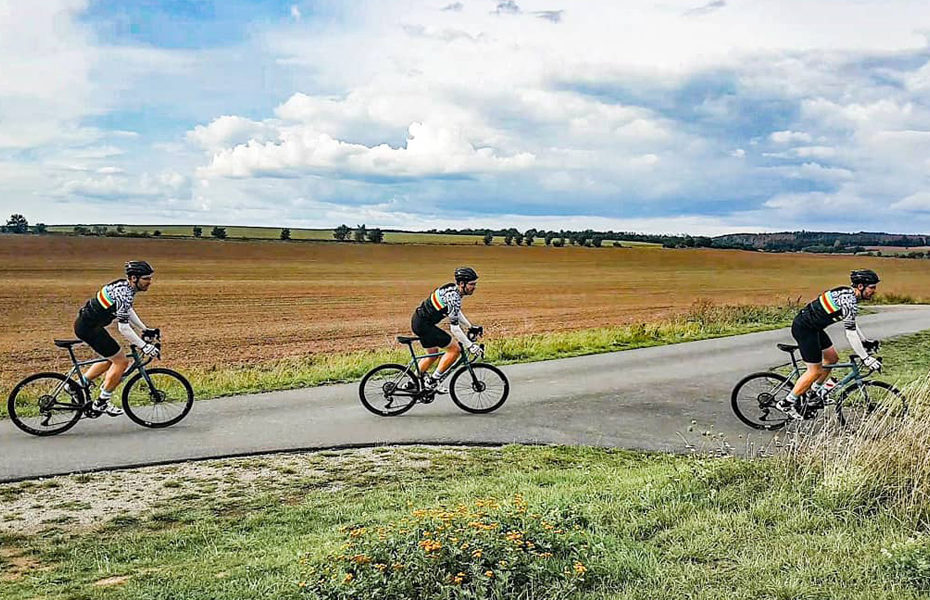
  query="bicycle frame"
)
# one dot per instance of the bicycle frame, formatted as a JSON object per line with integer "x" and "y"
{"x": 137, "y": 364}
{"x": 855, "y": 375}
{"x": 415, "y": 359}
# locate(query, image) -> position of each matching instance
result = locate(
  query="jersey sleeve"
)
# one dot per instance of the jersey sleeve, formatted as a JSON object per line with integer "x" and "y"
{"x": 454, "y": 303}
{"x": 850, "y": 310}
{"x": 123, "y": 300}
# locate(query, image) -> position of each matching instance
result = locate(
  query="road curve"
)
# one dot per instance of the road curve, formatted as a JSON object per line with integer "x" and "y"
{"x": 638, "y": 399}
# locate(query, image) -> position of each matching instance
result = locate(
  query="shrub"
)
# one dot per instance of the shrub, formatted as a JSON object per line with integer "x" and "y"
{"x": 490, "y": 549}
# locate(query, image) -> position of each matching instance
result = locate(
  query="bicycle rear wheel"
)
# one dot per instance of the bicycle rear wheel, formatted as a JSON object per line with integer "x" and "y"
{"x": 875, "y": 405}
{"x": 45, "y": 404}
{"x": 479, "y": 388}
{"x": 754, "y": 397}
{"x": 389, "y": 390}
{"x": 162, "y": 403}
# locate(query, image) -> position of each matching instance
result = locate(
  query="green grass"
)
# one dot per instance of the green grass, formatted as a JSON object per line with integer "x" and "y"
{"x": 703, "y": 321}
{"x": 654, "y": 526}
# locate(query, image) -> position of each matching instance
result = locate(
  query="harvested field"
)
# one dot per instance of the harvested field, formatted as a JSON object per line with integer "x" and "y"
{"x": 235, "y": 303}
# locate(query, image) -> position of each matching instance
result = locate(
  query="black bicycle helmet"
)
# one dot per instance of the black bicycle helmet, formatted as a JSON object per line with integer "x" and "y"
{"x": 465, "y": 274}
{"x": 864, "y": 276}
{"x": 139, "y": 268}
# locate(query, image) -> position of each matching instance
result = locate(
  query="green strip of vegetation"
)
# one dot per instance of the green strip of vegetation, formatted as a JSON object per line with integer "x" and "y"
{"x": 703, "y": 321}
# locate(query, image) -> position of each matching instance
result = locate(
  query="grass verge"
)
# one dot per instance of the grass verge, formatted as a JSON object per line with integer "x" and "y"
{"x": 703, "y": 320}
{"x": 569, "y": 523}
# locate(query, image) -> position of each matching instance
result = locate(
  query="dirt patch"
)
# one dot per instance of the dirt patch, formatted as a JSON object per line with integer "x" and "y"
{"x": 85, "y": 501}
{"x": 14, "y": 564}
{"x": 112, "y": 581}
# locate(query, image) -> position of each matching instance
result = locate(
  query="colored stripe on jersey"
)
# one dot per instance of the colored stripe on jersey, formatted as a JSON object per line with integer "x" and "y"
{"x": 104, "y": 298}
{"x": 436, "y": 300}
{"x": 828, "y": 304}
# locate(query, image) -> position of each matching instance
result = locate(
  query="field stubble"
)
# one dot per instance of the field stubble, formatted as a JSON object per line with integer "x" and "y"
{"x": 231, "y": 304}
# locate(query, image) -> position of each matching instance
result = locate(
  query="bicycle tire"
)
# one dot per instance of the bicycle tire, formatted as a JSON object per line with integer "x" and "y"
{"x": 180, "y": 390}
{"x": 479, "y": 385}
{"x": 889, "y": 402}
{"x": 384, "y": 380}
{"x": 746, "y": 402}
{"x": 16, "y": 403}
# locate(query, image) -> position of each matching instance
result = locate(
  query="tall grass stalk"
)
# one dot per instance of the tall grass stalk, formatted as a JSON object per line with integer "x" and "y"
{"x": 883, "y": 463}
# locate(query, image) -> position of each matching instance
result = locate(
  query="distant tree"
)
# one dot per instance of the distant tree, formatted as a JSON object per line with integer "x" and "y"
{"x": 17, "y": 224}
{"x": 375, "y": 236}
{"x": 100, "y": 229}
{"x": 550, "y": 235}
{"x": 198, "y": 231}
{"x": 40, "y": 228}
{"x": 80, "y": 230}
{"x": 518, "y": 238}
{"x": 487, "y": 239}
{"x": 219, "y": 233}
{"x": 558, "y": 242}
{"x": 360, "y": 233}
{"x": 596, "y": 240}
{"x": 341, "y": 233}
{"x": 529, "y": 236}
{"x": 508, "y": 238}
{"x": 285, "y": 233}
{"x": 120, "y": 229}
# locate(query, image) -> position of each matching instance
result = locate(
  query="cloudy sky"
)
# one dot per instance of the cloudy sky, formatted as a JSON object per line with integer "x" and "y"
{"x": 662, "y": 116}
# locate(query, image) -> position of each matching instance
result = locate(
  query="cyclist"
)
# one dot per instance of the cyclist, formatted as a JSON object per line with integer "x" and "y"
{"x": 114, "y": 301}
{"x": 445, "y": 301}
{"x": 838, "y": 304}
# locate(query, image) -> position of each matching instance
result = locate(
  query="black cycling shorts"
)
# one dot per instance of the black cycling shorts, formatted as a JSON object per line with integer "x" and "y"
{"x": 812, "y": 342}
{"x": 430, "y": 335}
{"x": 97, "y": 338}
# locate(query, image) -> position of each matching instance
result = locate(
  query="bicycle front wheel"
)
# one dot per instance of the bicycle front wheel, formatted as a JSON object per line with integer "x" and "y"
{"x": 872, "y": 404}
{"x": 45, "y": 404}
{"x": 754, "y": 397}
{"x": 389, "y": 390}
{"x": 161, "y": 403}
{"x": 479, "y": 388}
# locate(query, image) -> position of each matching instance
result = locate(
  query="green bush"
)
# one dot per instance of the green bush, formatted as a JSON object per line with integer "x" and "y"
{"x": 908, "y": 562}
{"x": 490, "y": 549}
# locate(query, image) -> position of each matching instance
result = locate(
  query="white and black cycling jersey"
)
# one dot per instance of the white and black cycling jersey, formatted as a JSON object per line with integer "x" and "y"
{"x": 112, "y": 301}
{"x": 445, "y": 301}
{"x": 832, "y": 306}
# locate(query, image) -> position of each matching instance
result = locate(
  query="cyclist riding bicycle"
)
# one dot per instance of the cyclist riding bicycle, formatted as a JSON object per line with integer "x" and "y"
{"x": 114, "y": 301}
{"x": 445, "y": 301}
{"x": 838, "y": 304}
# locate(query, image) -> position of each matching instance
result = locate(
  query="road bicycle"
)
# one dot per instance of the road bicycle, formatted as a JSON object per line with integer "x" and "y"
{"x": 393, "y": 389}
{"x": 52, "y": 403}
{"x": 854, "y": 397}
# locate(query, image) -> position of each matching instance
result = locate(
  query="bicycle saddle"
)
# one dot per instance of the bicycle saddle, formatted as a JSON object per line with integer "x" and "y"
{"x": 787, "y": 347}
{"x": 67, "y": 343}
{"x": 406, "y": 340}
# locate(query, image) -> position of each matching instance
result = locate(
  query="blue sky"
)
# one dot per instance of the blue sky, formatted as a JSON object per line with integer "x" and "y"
{"x": 673, "y": 116}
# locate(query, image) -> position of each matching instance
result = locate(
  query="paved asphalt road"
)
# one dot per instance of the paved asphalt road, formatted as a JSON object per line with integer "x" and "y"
{"x": 638, "y": 399}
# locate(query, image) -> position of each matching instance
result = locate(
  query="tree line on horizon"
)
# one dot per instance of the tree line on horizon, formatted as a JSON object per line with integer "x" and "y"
{"x": 793, "y": 241}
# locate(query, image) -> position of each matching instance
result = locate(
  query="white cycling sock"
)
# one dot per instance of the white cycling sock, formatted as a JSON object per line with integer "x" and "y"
{"x": 437, "y": 375}
{"x": 791, "y": 398}
{"x": 105, "y": 395}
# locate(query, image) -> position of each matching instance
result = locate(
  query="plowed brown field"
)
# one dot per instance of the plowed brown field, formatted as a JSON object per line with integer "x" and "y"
{"x": 230, "y": 303}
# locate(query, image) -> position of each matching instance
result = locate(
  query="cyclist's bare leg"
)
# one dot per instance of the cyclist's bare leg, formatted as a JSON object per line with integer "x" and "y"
{"x": 813, "y": 373}
{"x": 96, "y": 370}
{"x": 449, "y": 358}
{"x": 830, "y": 357}
{"x": 118, "y": 365}
{"x": 426, "y": 363}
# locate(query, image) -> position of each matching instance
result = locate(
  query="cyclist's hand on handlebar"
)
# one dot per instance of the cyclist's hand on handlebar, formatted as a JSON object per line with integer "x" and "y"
{"x": 871, "y": 345}
{"x": 151, "y": 350}
{"x": 151, "y": 334}
{"x": 477, "y": 350}
{"x": 873, "y": 363}
{"x": 475, "y": 332}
